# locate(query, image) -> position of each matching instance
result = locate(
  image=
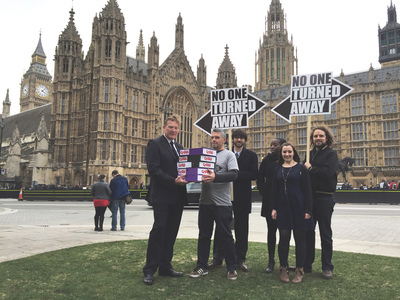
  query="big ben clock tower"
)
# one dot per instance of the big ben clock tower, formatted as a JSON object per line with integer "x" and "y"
{"x": 36, "y": 82}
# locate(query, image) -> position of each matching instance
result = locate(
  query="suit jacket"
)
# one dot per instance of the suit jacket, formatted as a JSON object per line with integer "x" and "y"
{"x": 162, "y": 167}
{"x": 248, "y": 170}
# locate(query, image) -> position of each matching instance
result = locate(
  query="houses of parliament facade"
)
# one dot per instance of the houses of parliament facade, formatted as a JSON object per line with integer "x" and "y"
{"x": 100, "y": 109}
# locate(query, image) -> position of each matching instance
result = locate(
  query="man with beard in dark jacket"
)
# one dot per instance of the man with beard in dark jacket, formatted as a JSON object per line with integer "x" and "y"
{"x": 322, "y": 169}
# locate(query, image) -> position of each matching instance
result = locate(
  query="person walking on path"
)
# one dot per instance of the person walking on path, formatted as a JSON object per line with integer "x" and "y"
{"x": 264, "y": 184}
{"x": 101, "y": 193}
{"x": 167, "y": 195}
{"x": 119, "y": 188}
{"x": 322, "y": 168}
{"x": 291, "y": 206}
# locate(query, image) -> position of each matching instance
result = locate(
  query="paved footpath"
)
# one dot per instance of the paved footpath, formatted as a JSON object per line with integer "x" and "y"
{"x": 29, "y": 228}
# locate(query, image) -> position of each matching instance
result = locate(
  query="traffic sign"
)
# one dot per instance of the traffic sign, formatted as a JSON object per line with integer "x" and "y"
{"x": 230, "y": 109}
{"x": 311, "y": 94}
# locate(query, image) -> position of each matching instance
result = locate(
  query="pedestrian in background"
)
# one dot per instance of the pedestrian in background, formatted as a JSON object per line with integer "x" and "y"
{"x": 264, "y": 184}
{"x": 101, "y": 193}
{"x": 120, "y": 189}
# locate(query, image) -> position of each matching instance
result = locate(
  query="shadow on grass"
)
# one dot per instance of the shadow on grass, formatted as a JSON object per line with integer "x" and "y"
{"x": 114, "y": 271}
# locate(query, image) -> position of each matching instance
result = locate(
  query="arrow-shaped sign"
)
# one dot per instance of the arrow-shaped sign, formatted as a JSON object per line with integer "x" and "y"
{"x": 230, "y": 109}
{"x": 311, "y": 94}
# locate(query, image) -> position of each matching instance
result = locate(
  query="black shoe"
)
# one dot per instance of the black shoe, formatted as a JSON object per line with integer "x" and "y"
{"x": 171, "y": 272}
{"x": 270, "y": 267}
{"x": 215, "y": 263}
{"x": 148, "y": 279}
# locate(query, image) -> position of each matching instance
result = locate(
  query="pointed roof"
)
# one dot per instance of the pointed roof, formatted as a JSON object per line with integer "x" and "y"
{"x": 38, "y": 64}
{"x": 39, "y": 48}
{"x": 70, "y": 32}
{"x": 27, "y": 121}
{"x": 112, "y": 10}
{"x": 140, "y": 50}
{"x": 226, "y": 64}
{"x": 392, "y": 18}
{"x": 7, "y": 100}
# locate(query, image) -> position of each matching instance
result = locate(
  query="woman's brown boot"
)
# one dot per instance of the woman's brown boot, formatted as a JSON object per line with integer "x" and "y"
{"x": 283, "y": 274}
{"x": 298, "y": 275}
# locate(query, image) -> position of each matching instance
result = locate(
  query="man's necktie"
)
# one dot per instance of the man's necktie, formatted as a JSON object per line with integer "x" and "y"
{"x": 174, "y": 151}
{"x": 237, "y": 155}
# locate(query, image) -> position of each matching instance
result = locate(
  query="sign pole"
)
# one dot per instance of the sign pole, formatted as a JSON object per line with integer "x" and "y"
{"x": 308, "y": 136}
{"x": 230, "y": 145}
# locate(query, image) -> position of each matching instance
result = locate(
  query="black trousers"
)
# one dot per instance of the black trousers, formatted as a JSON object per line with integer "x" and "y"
{"x": 222, "y": 216}
{"x": 271, "y": 237}
{"x": 241, "y": 228}
{"x": 322, "y": 212}
{"x": 284, "y": 244}
{"x": 160, "y": 248}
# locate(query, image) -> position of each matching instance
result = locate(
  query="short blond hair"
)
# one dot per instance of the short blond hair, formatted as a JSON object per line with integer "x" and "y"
{"x": 172, "y": 118}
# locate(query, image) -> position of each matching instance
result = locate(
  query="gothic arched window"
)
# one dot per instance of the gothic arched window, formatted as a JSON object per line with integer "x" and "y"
{"x": 108, "y": 47}
{"x": 65, "y": 65}
{"x": 117, "y": 50}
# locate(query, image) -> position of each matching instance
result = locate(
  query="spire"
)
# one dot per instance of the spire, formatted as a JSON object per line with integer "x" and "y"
{"x": 70, "y": 32}
{"x": 179, "y": 33}
{"x": 7, "y": 100}
{"x": 6, "y": 106}
{"x": 38, "y": 64}
{"x": 140, "y": 50}
{"x": 226, "y": 77}
{"x": 112, "y": 10}
{"x": 153, "y": 53}
{"x": 226, "y": 64}
{"x": 392, "y": 15}
{"x": 202, "y": 72}
{"x": 39, "y": 49}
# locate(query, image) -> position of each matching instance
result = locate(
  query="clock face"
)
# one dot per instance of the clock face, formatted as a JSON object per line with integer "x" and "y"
{"x": 25, "y": 90}
{"x": 42, "y": 90}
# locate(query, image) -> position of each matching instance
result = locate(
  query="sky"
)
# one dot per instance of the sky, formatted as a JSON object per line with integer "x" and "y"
{"x": 330, "y": 36}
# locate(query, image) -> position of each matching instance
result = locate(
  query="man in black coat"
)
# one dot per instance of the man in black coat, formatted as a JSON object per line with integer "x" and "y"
{"x": 322, "y": 168}
{"x": 167, "y": 194}
{"x": 248, "y": 170}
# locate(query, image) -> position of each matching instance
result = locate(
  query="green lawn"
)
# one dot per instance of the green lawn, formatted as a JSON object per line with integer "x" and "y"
{"x": 114, "y": 271}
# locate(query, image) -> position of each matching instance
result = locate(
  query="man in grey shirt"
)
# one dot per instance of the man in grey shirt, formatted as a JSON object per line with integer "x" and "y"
{"x": 216, "y": 206}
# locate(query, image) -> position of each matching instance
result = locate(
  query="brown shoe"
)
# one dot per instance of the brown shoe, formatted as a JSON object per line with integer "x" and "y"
{"x": 298, "y": 275}
{"x": 283, "y": 274}
{"x": 242, "y": 266}
{"x": 214, "y": 264}
{"x": 327, "y": 274}
{"x": 232, "y": 275}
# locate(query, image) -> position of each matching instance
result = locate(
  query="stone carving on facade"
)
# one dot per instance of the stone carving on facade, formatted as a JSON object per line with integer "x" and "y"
{"x": 42, "y": 130}
{"x": 16, "y": 137}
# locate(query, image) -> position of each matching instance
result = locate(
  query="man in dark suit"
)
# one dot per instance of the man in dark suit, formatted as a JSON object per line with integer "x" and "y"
{"x": 248, "y": 170}
{"x": 167, "y": 194}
